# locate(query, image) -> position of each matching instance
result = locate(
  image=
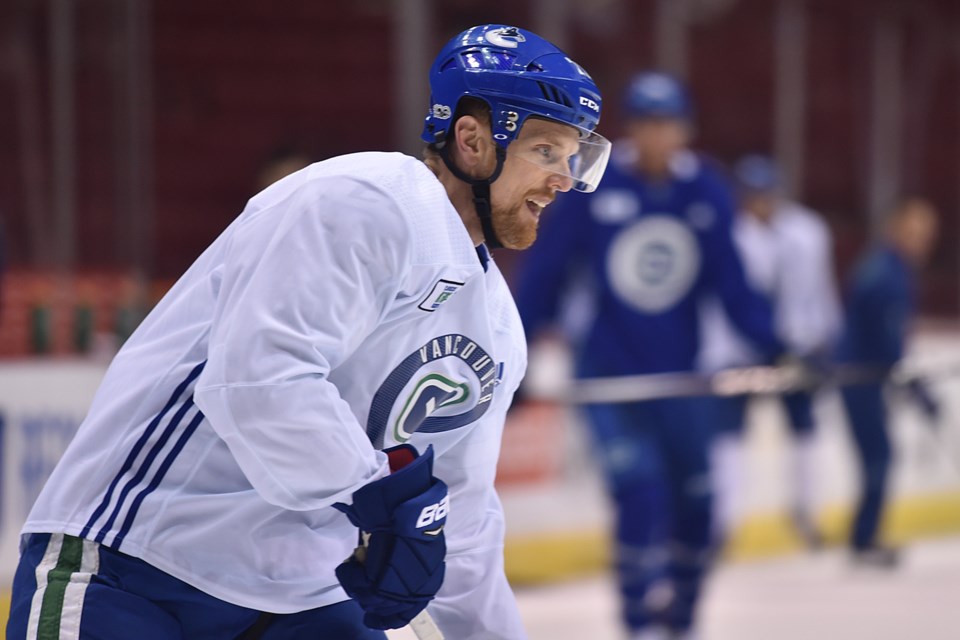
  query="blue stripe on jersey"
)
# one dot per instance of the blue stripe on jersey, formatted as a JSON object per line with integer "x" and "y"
{"x": 157, "y": 478}
{"x": 145, "y": 467}
{"x": 138, "y": 447}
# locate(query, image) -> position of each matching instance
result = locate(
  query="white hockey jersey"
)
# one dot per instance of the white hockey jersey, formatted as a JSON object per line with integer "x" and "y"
{"x": 790, "y": 260}
{"x": 344, "y": 311}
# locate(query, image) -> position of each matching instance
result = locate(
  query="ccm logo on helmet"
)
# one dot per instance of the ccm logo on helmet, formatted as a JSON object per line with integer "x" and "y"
{"x": 587, "y": 102}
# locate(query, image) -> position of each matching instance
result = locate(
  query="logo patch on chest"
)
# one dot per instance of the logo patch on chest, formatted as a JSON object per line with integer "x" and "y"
{"x": 653, "y": 264}
{"x": 442, "y": 291}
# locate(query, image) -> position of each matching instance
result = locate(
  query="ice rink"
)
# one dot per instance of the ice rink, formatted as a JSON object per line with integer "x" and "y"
{"x": 817, "y": 596}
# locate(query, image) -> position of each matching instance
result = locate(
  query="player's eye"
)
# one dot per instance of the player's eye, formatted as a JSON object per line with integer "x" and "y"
{"x": 545, "y": 152}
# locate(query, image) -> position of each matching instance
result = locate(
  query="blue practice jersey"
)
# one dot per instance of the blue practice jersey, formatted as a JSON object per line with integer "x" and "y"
{"x": 880, "y": 303}
{"x": 653, "y": 249}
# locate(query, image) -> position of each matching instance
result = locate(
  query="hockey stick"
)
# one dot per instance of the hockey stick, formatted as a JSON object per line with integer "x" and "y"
{"x": 424, "y": 627}
{"x": 730, "y": 382}
{"x": 941, "y": 445}
{"x": 637, "y": 388}
{"x": 760, "y": 380}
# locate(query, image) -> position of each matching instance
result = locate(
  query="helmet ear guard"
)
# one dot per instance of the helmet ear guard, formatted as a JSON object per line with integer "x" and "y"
{"x": 517, "y": 74}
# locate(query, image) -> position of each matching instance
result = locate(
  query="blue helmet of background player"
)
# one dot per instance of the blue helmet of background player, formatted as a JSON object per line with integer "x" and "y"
{"x": 757, "y": 173}
{"x": 654, "y": 94}
{"x": 517, "y": 74}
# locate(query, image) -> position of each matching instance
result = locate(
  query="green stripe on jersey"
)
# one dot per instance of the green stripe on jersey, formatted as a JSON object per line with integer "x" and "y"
{"x": 68, "y": 563}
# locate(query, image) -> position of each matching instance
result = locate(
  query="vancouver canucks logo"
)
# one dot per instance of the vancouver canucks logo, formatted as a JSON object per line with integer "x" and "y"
{"x": 432, "y": 392}
{"x": 445, "y": 384}
{"x": 508, "y": 37}
{"x": 442, "y": 112}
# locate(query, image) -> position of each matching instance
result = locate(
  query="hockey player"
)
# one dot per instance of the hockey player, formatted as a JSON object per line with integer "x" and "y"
{"x": 337, "y": 359}
{"x": 655, "y": 238}
{"x": 880, "y": 306}
{"x": 787, "y": 254}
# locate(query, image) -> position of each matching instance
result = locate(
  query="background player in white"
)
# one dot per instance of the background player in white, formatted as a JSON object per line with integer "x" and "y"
{"x": 787, "y": 253}
{"x": 352, "y": 307}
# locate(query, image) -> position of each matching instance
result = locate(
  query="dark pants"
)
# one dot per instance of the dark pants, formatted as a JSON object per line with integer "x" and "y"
{"x": 867, "y": 416}
{"x": 654, "y": 455}
{"x": 90, "y": 592}
{"x": 730, "y": 413}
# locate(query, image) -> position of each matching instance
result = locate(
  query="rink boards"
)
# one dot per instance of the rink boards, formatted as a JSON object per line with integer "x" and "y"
{"x": 556, "y": 510}
{"x": 557, "y": 522}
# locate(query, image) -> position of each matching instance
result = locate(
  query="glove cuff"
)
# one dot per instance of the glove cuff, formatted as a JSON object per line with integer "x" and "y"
{"x": 374, "y": 504}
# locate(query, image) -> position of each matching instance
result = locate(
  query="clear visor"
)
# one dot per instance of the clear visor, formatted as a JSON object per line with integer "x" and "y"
{"x": 571, "y": 152}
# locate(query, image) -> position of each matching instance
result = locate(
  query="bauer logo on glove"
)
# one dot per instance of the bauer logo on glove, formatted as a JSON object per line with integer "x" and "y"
{"x": 432, "y": 514}
{"x": 399, "y": 566}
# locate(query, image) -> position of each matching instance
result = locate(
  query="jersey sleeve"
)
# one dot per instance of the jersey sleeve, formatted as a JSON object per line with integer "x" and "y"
{"x": 475, "y": 601}
{"x": 304, "y": 281}
{"x": 749, "y": 311}
{"x": 546, "y": 266}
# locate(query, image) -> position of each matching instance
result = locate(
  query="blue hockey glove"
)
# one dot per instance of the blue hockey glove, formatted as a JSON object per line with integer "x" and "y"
{"x": 399, "y": 565}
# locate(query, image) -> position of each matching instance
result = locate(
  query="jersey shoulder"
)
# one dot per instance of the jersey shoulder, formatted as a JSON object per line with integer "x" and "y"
{"x": 878, "y": 271}
{"x": 797, "y": 219}
{"x": 708, "y": 173}
{"x": 689, "y": 170}
{"x": 438, "y": 234}
{"x": 398, "y": 186}
{"x": 751, "y": 232}
{"x": 707, "y": 184}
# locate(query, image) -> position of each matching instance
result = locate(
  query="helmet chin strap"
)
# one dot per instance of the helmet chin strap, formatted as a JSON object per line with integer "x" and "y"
{"x": 481, "y": 193}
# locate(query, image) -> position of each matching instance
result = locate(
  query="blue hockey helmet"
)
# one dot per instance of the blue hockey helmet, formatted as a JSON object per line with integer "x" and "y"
{"x": 654, "y": 94}
{"x": 757, "y": 173}
{"x": 518, "y": 74}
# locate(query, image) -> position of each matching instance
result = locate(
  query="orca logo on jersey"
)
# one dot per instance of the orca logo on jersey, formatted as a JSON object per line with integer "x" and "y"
{"x": 432, "y": 392}
{"x": 446, "y": 384}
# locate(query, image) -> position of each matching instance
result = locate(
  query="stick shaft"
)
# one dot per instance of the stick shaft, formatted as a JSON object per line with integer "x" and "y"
{"x": 424, "y": 627}
{"x": 730, "y": 382}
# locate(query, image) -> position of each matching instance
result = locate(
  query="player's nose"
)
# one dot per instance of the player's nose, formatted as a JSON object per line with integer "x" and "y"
{"x": 560, "y": 182}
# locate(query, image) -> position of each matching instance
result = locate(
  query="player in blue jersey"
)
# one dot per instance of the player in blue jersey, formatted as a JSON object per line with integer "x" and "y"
{"x": 655, "y": 237}
{"x": 343, "y": 353}
{"x": 881, "y": 302}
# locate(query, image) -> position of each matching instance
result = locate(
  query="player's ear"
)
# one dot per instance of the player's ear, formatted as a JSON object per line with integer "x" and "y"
{"x": 474, "y": 145}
